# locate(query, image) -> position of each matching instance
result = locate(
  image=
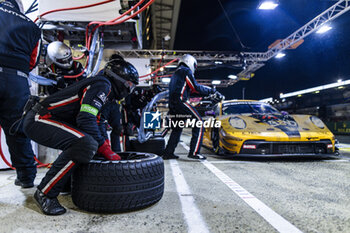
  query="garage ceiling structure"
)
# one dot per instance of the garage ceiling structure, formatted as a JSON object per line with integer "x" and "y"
{"x": 321, "y": 59}
{"x": 165, "y": 15}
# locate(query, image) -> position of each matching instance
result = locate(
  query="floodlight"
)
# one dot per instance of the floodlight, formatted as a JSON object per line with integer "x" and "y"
{"x": 166, "y": 80}
{"x": 280, "y": 55}
{"x": 216, "y": 82}
{"x": 323, "y": 29}
{"x": 232, "y": 76}
{"x": 268, "y": 5}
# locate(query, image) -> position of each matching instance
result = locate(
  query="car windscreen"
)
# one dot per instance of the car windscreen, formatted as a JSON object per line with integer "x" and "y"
{"x": 248, "y": 108}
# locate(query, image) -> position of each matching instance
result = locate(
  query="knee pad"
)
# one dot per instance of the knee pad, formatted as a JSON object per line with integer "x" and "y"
{"x": 83, "y": 149}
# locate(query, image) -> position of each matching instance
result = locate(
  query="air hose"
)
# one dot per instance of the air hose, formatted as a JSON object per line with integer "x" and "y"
{"x": 9, "y": 164}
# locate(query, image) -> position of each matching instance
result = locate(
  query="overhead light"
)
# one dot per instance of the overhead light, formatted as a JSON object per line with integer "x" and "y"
{"x": 161, "y": 69}
{"x": 268, "y": 5}
{"x": 339, "y": 80}
{"x": 317, "y": 89}
{"x": 167, "y": 37}
{"x": 232, "y": 76}
{"x": 171, "y": 66}
{"x": 216, "y": 82}
{"x": 166, "y": 80}
{"x": 280, "y": 55}
{"x": 323, "y": 29}
{"x": 218, "y": 62}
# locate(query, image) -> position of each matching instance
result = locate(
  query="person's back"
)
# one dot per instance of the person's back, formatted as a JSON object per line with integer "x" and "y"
{"x": 19, "y": 38}
{"x": 19, "y": 53}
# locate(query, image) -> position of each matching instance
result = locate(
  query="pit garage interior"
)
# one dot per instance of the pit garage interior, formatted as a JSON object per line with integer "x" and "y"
{"x": 289, "y": 56}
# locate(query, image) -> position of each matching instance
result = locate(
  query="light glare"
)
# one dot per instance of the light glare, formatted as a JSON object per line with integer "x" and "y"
{"x": 165, "y": 80}
{"x": 280, "y": 55}
{"x": 323, "y": 29}
{"x": 216, "y": 82}
{"x": 268, "y": 5}
{"x": 232, "y": 76}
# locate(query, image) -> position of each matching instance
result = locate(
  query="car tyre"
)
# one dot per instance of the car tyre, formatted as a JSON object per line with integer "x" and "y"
{"x": 153, "y": 145}
{"x": 135, "y": 182}
{"x": 215, "y": 138}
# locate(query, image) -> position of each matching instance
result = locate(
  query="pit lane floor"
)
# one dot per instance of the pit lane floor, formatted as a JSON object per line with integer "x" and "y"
{"x": 220, "y": 195}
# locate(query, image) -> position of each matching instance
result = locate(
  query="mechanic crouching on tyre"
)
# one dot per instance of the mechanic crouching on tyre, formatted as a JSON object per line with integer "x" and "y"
{"x": 182, "y": 85}
{"x": 67, "y": 120}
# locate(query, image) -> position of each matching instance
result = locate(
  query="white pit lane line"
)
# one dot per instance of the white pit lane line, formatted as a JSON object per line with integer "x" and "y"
{"x": 274, "y": 219}
{"x": 191, "y": 213}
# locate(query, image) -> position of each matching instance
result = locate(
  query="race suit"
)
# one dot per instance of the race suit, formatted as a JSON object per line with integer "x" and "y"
{"x": 68, "y": 120}
{"x": 182, "y": 85}
{"x": 19, "y": 53}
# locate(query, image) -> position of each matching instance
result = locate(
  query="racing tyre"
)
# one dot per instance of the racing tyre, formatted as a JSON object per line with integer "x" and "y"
{"x": 215, "y": 138}
{"x": 154, "y": 145}
{"x": 135, "y": 182}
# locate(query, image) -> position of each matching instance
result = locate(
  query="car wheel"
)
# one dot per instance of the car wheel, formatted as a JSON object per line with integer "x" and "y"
{"x": 215, "y": 138}
{"x": 154, "y": 145}
{"x": 135, "y": 182}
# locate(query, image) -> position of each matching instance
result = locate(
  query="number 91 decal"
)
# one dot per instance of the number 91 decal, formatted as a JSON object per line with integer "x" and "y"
{"x": 282, "y": 123}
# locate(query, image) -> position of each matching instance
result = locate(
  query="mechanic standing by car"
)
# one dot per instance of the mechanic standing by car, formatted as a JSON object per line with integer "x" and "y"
{"x": 182, "y": 85}
{"x": 19, "y": 53}
{"x": 67, "y": 120}
{"x": 62, "y": 66}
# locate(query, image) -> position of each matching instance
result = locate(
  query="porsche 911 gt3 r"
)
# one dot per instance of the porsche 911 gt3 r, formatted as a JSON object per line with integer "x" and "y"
{"x": 257, "y": 128}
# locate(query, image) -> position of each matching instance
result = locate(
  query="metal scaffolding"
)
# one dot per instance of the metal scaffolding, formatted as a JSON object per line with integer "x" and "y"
{"x": 330, "y": 14}
{"x": 250, "y": 61}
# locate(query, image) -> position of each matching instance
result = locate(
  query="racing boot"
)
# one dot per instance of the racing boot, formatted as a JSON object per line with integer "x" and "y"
{"x": 23, "y": 184}
{"x": 170, "y": 156}
{"x": 197, "y": 157}
{"x": 49, "y": 206}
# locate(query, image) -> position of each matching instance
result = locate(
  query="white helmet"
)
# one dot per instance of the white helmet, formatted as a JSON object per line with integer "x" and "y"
{"x": 189, "y": 61}
{"x": 60, "y": 54}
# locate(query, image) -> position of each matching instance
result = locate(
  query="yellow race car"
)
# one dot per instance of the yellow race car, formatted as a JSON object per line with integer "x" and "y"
{"x": 256, "y": 128}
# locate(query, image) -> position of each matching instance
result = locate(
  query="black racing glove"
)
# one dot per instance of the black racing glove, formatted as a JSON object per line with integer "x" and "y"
{"x": 61, "y": 83}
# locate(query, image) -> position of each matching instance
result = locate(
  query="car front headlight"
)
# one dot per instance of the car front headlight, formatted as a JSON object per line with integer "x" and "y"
{"x": 317, "y": 121}
{"x": 237, "y": 123}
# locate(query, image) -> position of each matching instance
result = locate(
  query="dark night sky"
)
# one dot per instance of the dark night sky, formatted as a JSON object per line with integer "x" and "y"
{"x": 321, "y": 59}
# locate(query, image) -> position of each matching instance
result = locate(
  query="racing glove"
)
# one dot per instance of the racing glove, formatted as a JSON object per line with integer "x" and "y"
{"x": 106, "y": 151}
{"x": 219, "y": 96}
{"x": 61, "y": 83}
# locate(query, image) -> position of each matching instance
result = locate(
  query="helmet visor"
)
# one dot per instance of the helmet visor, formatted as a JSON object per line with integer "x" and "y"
{"x": 65, "y": 61}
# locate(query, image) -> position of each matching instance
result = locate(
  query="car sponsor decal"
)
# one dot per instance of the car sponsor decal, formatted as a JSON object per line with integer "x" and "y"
{"x": 285, "y": 123}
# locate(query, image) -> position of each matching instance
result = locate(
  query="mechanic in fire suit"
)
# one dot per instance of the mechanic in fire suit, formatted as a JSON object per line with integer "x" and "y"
{"x": 111, "y": 115}
{"x": 67, "y": 120}
{"x": 182, "y": 85}
{"x": 19, "y": 53}
{"x": 62, "y": 65}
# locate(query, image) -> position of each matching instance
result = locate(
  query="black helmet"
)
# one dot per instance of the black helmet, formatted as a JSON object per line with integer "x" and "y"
{"x": 116, "y": 57}
{"x": 123, "y": 76}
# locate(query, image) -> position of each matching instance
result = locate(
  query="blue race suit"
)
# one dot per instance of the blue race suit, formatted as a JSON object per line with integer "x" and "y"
{"x": 181, "y": 87}
{"x": 19, "y": 52}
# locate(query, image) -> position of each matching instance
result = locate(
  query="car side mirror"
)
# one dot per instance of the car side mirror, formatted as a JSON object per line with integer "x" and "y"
{"x": 210, "y": 113}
